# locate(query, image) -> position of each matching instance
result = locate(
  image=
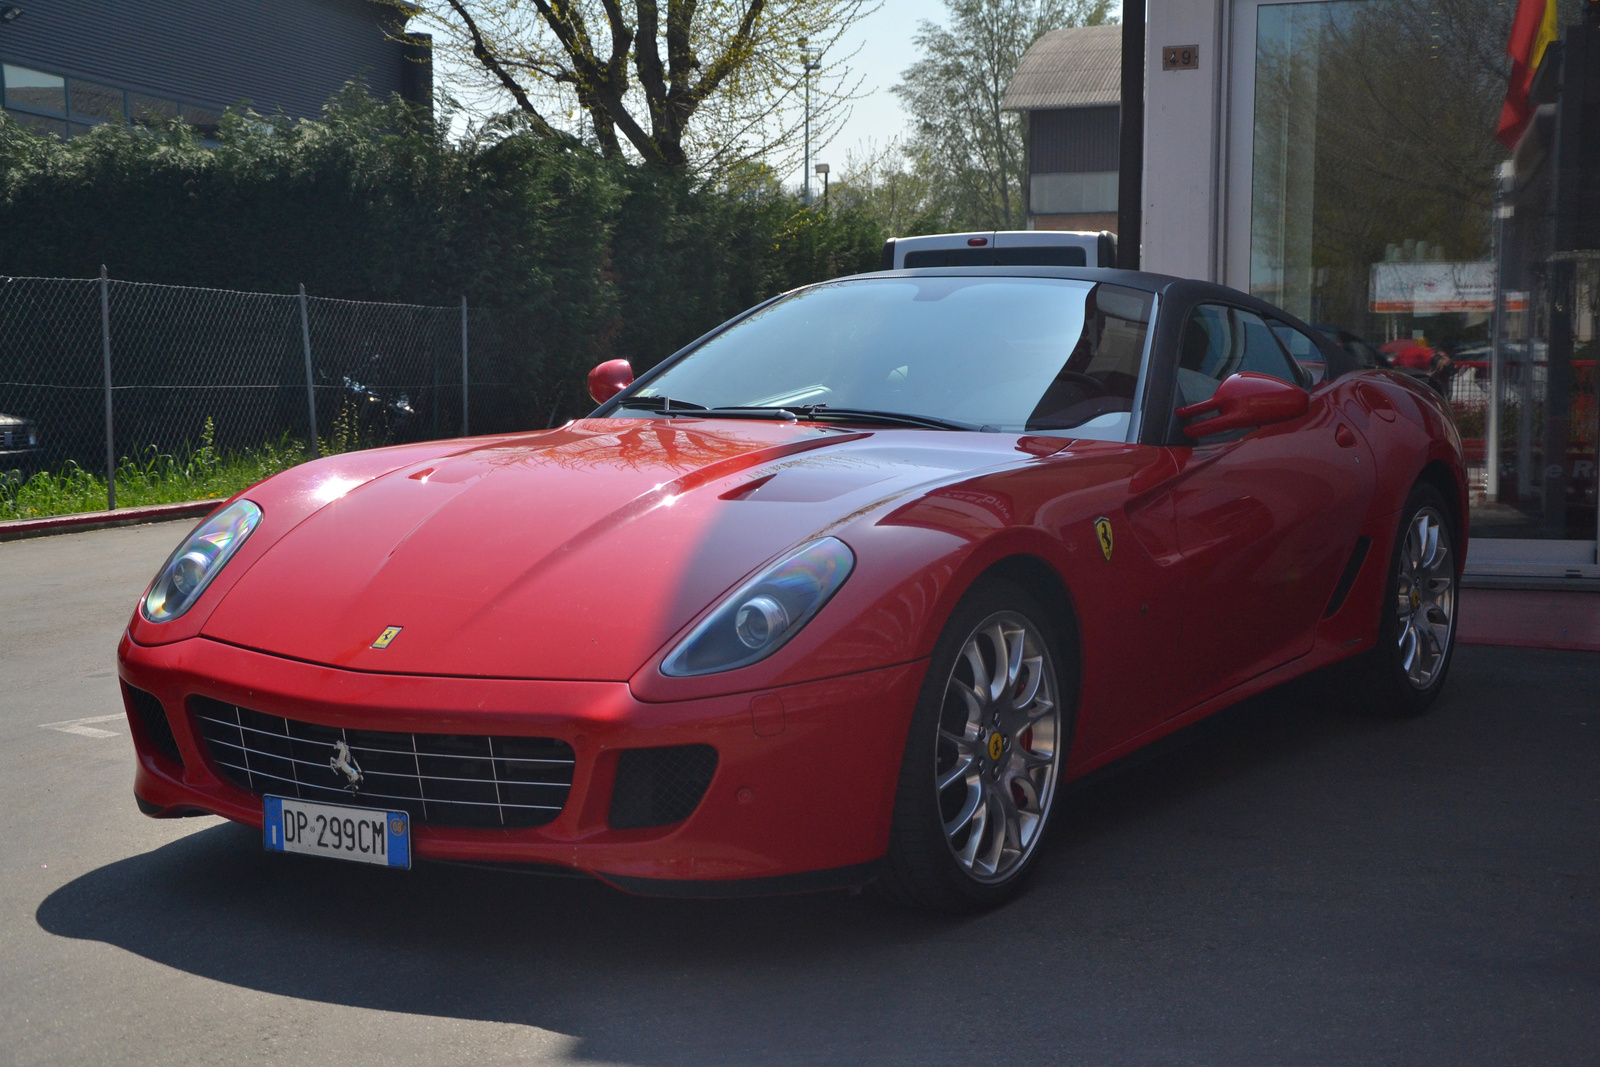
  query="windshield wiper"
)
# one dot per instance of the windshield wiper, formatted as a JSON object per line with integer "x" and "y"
{"x": 815, "y": 412}
{"x": 665, "y": 405}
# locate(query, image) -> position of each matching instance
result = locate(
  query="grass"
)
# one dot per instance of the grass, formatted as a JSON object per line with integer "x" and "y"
{"x": 203, "y": 473}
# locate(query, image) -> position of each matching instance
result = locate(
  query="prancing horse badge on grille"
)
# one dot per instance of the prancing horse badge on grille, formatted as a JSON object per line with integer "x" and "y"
{"x": 341, "y": 762}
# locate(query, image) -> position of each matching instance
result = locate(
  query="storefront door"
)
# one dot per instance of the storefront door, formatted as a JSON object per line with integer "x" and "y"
{"x": 1365, "y": 193}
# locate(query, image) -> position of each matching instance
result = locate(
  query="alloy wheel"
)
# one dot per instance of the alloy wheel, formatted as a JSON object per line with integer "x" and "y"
{"x": 995, "y": 761}
{"x": 1426, "y": 601}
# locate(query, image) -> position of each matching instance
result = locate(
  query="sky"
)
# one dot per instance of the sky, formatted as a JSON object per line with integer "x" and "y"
{"x": 884, "y": 38}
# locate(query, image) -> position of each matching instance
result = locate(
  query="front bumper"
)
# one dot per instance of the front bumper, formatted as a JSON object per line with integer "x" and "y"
{"x": 811, "y": 793}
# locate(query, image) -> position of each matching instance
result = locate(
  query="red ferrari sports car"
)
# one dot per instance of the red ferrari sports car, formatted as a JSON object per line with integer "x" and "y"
{"x": 839, "y": 594}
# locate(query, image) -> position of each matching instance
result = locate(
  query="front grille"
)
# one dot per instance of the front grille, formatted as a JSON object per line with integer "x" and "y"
{"x": 660, "y": 786}
{"x": 153, "y": 717}
{"x": 440, "y": 779}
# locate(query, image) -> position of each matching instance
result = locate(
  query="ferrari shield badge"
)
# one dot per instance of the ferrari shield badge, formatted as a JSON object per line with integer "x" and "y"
{"x": 1102, "y": 530}
{"x": 391, "y": 632}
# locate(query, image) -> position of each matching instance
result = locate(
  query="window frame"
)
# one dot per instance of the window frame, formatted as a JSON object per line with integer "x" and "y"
{"x": 1308, "y": 380}
{"x": 1175, "y": 436}
{"x": 33, "y": 109}
{"x": 74, "y": 122}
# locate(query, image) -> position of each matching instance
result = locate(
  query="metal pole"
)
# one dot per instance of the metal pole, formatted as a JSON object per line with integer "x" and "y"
{"x": 806, "y": 170}
{"x": 465, "y": 432}
{"x": 105, "y": 352}
{"x": 809, "y": 61}
{"x": 311, "y": 386}
{"x": 1525, "y": 400}
{"x": 1491, "y": 481}
{"x": 1130, "y": 148}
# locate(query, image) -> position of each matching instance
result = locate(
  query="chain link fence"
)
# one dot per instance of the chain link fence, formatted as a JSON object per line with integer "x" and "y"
{"x": 95, "y": 371}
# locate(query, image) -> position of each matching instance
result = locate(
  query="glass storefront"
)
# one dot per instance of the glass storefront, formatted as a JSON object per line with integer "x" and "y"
{"x": 1380, "y": 207}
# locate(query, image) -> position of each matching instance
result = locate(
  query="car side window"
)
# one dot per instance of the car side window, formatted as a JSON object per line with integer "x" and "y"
{"x": 1207, "y": 354}
{"x": 1303, "y": 350}
{"x": 1262, "y": 352}
{"x": 1221, "y": 341}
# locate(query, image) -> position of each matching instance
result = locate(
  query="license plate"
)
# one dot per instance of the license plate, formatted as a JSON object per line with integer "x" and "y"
{"x": 365, "y": 835}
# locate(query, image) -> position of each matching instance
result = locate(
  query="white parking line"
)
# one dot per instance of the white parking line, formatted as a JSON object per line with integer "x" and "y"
{"x": 81, "y": 727}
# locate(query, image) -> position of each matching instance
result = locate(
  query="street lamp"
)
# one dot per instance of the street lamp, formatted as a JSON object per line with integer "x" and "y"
{"x": 809, "y": 61}
{"x": 822, "y": 169}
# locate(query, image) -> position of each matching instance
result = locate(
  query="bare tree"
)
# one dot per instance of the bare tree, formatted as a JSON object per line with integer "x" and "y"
{"x": 876, "y": 182}
{"x": 704, "y": 83}
{"x": 968, "y": 148}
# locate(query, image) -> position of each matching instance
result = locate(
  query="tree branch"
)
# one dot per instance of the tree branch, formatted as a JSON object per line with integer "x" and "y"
{"x": 647, "y": 57}
{"x": 733, "y": 56}
{"x": 681, "y": 60}
{"x": 481, "y": 52}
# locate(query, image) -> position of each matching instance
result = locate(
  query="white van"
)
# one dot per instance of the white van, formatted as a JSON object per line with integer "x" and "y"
{"x": 1002, "y": 248}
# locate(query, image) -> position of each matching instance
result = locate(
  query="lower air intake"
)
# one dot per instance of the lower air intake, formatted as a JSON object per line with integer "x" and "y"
{"x": 660, "y": 786}
{"x": 153, "y": 718}
{"x": 440, "y": 779}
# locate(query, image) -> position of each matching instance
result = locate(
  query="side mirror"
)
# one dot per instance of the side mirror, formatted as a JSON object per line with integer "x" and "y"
{"x": 609, "y": 379}
{"x": 1243, "y": 402}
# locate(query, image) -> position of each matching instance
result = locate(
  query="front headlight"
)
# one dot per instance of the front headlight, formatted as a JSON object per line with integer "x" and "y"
{"x": 190, "y": 569}
{"x": 769, "y": 609}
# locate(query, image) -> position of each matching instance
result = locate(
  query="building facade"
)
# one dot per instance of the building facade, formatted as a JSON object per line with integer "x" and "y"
{"x": 1339, "y": 158}
{"x": 66, "y": 65}
{"x": 1067, "y": 88}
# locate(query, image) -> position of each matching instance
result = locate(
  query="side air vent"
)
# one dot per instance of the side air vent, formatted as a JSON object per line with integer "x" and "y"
{"x": 153, "y": 717}
{"x": 660, "y": 786}
{"x": 1348, "y": 578}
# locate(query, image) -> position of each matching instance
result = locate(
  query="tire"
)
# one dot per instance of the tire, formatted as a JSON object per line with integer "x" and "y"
{"x": 970, "y": 844}
{"x": 1403, "y": 674}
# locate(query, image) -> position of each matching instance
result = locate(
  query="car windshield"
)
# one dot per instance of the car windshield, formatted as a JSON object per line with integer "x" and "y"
{"x": 997, "y": 353}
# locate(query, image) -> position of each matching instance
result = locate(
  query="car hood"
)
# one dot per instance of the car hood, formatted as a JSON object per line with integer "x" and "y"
{"x": 571, "y": 554}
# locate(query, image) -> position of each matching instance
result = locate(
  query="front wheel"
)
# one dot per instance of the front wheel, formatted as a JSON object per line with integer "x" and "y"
{"x": 978, "y": 778}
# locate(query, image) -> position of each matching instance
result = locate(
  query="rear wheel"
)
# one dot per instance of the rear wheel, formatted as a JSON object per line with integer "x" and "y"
{"x": 981, "y": 764}
{"x": 1404, "y": 674}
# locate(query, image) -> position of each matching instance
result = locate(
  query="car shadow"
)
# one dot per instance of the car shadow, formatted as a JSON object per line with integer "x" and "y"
{"x": 669, "y": 981}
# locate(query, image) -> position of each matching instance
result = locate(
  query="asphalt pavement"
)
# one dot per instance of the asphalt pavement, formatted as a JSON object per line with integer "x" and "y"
{"x": 1285, "y": 884}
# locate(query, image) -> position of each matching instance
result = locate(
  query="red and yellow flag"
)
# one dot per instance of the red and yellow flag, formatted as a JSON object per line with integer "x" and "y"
{"x": 1531, "y": 33}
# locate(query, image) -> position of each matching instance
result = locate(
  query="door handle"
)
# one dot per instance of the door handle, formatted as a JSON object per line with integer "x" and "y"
{"x": 1345, "y": 436}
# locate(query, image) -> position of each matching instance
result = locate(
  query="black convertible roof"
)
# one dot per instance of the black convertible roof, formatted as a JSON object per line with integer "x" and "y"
{"x": 1173, "y": 291}
{"x": 1180, "y": 291}
{"x": 1166, "y": 285}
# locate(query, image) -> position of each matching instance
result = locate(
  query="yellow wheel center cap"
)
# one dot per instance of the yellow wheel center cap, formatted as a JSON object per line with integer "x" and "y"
{"x": 996, "y": 744}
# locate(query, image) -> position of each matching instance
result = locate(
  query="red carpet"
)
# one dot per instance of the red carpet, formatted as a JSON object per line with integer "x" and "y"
{"x": 1530, "y": 619}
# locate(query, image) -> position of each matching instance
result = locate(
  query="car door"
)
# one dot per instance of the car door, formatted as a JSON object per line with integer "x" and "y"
{"x": 1266, "y": 519}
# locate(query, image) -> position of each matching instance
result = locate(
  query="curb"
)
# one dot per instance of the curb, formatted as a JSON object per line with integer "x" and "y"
{"x": 17, "y": 529}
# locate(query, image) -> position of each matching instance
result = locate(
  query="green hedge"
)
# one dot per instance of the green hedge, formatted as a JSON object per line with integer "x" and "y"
{"x": 591, "y": 260}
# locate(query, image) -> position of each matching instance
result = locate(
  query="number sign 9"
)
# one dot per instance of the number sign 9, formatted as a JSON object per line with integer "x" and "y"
{"x": 1180, "y": 57}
